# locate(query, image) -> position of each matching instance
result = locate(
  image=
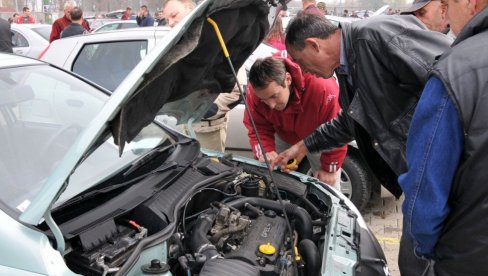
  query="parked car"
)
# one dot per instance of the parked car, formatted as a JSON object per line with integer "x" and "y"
{"x": 30, "y": 39}
{"x": 116, "y": 25}
{"x": 91, "y": 185}
{"x": 105, "y": 58}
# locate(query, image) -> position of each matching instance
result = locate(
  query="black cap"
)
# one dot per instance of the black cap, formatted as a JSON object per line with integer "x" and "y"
{"x": 416, "y": 5}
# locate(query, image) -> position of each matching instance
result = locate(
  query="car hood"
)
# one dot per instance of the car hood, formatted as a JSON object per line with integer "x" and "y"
{"x": 189, "y": 63}
{"x": 194, "y": 64}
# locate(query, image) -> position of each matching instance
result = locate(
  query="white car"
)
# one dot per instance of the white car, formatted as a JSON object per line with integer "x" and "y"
{"x": 30, "y": 39}
{"x": 105, "y": 58}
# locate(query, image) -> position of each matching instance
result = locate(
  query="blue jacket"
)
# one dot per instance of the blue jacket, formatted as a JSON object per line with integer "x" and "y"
{"x": 145, "y": 21}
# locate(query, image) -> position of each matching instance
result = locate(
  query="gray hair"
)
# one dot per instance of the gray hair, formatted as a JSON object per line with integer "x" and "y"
{"x": 305, "y": 26}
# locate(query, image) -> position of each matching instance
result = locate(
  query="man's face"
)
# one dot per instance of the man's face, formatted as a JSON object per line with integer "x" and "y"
{"x": 435, "y": 16}
{"x": 174, "y": 12}
{"x": 313, "y": 60}
{"x": 27, "y": 12}
{"x": 459, "y": 12}
{"x": 143, "y": 11}
{"x": 274, "y": 95}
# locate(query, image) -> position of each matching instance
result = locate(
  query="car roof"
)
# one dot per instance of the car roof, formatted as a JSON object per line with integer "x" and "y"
{"x": 29, "y": 26}
{"x": 122, "y": 34}
{"x": 11, "y": 60}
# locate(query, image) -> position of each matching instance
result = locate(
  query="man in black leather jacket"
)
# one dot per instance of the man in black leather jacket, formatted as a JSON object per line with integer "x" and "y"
{"x": 382, "y": 64}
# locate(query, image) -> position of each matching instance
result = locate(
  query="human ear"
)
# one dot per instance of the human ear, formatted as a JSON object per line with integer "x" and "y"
{"x": 313, "y": 43}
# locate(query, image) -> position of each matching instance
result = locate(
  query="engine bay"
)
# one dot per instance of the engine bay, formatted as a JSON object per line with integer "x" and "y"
{"x": 217, "y": 217}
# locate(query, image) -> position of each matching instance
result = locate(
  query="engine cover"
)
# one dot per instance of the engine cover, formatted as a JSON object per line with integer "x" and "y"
{"x": 269, "y": 229}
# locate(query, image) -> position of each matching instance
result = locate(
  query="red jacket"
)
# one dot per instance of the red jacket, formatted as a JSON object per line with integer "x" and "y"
{"x": 25, "y": 20}
{"x": 315, "y": 102}
{"x": 60, "y": 24}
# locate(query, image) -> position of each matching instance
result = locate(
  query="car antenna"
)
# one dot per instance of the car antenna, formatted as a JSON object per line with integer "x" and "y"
{"x": 271, "y": 184}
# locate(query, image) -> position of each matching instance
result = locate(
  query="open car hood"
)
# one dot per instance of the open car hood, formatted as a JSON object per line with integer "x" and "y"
{"x": 194, "y": 67}
{"x": 189, "y": 63}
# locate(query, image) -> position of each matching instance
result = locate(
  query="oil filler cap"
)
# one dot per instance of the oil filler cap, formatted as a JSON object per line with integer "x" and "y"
{"x": 267, "y": 249}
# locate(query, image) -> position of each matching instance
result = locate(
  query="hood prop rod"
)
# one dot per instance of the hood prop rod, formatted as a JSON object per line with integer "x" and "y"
{"x": 271, "y": 183}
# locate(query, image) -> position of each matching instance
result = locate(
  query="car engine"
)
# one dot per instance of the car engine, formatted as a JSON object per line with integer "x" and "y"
{"x": 218, "y": 217}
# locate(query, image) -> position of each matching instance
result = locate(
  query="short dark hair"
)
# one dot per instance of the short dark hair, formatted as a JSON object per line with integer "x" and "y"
{"x": 25, "y": 9}
{"x": 76, "y": 13}
{"x": 144, "y": 7}
{"x": 306, "y": 25}
{"x": 266, "y": 70}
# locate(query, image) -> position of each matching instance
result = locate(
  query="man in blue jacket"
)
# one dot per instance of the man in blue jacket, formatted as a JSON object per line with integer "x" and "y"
{"x": 446, "y": 191}
{"x": 144, "y": 18}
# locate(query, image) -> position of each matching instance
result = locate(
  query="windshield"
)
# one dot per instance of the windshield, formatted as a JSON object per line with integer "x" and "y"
{"x": 43, "y": 111}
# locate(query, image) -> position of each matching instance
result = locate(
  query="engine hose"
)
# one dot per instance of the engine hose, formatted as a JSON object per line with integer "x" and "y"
{"x": 198, "y": 241}
{"x": 304, "y": 225}
{"x": 308, "y": 250}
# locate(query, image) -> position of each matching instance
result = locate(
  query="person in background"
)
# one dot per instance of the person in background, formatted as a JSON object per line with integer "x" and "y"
{"x": 14, "y": 17}
{"x": 127, "y": 14}
{"x": 309, "y": 6}
{"x": 322, "y": 7}
{"x": 161, "y": 20}
{"x": 276, "y": 36}
{"x": 5, "y": 36}
{"x": 75, "y": 28}
{"x": 26, "y": 17}
{"x": 144, "y": 18}
{"x": 288, "y": 105}
{"x": 346, "y": 13}
{"x": 446, "y": 192}
{"x": 431, "y": 12}
{"x": 175, "y": 10}
{"x": 63, "y": 22}
{"x": 211, "y": 131}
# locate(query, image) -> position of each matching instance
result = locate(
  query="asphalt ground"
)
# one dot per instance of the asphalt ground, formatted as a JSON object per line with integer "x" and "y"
{"x": 384, "y": 217}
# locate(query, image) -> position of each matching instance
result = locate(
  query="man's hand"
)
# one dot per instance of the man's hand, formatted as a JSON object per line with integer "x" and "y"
{"x": 270, "y": 155}
{"x": 326, "y": 177}
{"x": 297, "y": 151}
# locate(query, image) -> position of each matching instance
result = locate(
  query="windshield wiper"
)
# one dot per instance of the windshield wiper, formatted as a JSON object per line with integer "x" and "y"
{"x": 165, "y": 167}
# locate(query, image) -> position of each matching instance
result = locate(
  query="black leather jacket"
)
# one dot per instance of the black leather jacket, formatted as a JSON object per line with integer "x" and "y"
{"x": 389, "y": 59}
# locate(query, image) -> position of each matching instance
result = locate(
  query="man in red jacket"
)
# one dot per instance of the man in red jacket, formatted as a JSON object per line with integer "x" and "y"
{"x": 287, "y": 106}
{"x": 26, "y": 17}
{"x": 65, "y": 21}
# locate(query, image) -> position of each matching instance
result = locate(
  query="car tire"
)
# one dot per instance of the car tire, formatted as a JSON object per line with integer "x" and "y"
{"x": 356, "y": 181}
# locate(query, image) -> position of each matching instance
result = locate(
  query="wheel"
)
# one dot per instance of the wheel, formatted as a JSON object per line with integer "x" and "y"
{"x": 356, "y": 182}
{"x": 356, "y": 179}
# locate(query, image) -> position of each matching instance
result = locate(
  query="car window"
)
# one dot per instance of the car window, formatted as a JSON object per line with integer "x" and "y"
{"x": 18, "y": 40}
{"x": 108, "y": 27}
{"x": 44, "y": 31}
{"x": 107, "y": 64}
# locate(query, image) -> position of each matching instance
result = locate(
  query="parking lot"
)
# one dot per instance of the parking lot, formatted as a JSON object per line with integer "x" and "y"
{"x": 384, "y": 217}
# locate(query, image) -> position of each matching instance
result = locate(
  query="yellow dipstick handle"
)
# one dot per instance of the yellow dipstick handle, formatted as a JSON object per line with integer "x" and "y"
{"x": 219, "y": 36}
